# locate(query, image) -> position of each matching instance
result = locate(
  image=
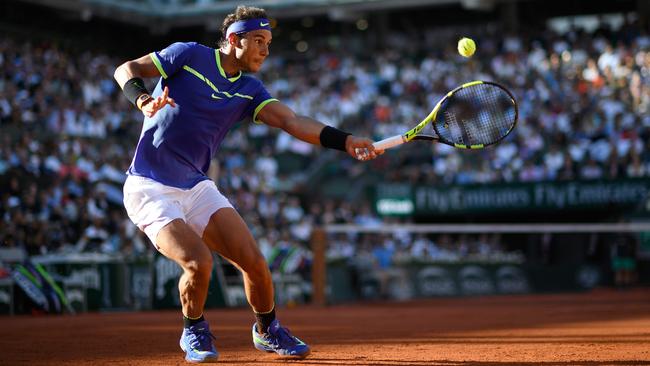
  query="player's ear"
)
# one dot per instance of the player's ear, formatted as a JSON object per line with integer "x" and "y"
{"x": 234, "y": 40}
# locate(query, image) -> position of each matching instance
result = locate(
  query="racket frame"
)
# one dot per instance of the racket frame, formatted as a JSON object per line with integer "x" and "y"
{"x": 414, "y": 133}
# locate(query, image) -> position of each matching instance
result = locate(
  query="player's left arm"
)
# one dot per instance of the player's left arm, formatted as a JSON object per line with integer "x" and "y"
{"x": 278, "y": 114}
{"x": 128, "y": 76}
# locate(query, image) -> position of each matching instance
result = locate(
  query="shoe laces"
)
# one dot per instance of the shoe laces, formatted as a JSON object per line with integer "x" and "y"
{"x": 283, "y": 338}
{"x": 200, "y": 338}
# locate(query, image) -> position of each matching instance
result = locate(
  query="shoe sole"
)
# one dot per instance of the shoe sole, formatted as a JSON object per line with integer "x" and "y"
{"x": 205, "y": 360}
{"x": 295, "y": 357}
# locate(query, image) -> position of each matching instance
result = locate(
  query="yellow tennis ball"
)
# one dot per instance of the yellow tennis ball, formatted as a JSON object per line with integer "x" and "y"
{"x": 466, "y": 47}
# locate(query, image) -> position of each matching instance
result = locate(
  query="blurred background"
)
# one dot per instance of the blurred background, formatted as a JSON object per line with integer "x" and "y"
{"x": 421, "y": 221}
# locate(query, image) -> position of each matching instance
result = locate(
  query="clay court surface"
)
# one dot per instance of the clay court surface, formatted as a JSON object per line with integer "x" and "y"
{"x": 602, "y": 327}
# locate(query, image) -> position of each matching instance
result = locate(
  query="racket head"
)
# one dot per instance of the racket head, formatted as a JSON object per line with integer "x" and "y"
{"x": 475, "y": 115}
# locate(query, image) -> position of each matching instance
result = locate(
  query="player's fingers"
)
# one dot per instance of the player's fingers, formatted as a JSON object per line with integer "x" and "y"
{"x": 371, "y": 148}
{"x": 365, "y": 150}
{"x": 171, "y": 102}
{"x": 362, "y": 153}
{"x": 160, "y": 102}
{"x": 372, "y": 151}
{"x": 165, "y": 93}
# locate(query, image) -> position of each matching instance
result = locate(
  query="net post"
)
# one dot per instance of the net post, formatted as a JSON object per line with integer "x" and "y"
{"x": 318, "y": 268}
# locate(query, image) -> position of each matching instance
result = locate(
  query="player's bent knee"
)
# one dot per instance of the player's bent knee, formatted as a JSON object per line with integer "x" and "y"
{"x": 258, "y": 269}
{"x": 198, "y": 267}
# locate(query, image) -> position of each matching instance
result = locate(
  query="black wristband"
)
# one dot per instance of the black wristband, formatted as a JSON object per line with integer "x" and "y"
{"x": 333, "y": 138}
{"x": 133, "y": 89}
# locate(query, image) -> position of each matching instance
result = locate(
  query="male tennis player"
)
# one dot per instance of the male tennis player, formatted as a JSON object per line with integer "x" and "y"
{"x": 201, "y": 94}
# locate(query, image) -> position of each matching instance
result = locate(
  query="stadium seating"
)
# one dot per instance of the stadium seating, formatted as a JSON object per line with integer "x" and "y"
{"x": 67, "y": 134}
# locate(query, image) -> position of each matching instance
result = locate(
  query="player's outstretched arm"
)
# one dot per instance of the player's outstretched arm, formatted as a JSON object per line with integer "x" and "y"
{"x": 129, "y": 76}
{"x": 279, "y": 115}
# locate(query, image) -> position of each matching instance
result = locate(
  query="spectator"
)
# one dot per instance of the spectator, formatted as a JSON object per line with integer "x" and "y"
{"x": 66, "y": 134}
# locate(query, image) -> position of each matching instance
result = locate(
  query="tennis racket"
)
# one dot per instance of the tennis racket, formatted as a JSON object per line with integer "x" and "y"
{"x": 472, "y": 116}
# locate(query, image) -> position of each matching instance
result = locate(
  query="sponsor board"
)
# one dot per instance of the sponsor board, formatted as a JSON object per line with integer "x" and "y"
{"x": 475, "y": 280}
{"x": 436, "y": 281}
{"x": 405, "y": 199}
{"x": 511, "y": 280}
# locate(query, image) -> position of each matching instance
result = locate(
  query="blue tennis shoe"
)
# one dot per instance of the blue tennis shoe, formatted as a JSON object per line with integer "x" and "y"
{"x": 279, "y": 340}
{"x": 196, "y": 342}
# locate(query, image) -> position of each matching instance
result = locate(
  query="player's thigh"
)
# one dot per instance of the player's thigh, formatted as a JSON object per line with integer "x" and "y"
{"x": 228, "y": 235}
{"x": 178, "y": 242}
{"x": 201, "y": 203}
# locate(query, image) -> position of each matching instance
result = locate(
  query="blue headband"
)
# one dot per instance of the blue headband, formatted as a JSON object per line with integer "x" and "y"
{"x": 243, "y": 26}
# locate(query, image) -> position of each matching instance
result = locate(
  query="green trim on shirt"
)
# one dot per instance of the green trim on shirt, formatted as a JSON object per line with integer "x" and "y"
{"x": 259, "y": 108}
{"x": 221, "y": 70}
{"x": 156, "y": 62}
{"x": 214, "y": 87}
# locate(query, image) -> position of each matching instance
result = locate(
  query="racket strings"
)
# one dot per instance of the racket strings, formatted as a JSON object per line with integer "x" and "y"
{"x": 481, "y": 114}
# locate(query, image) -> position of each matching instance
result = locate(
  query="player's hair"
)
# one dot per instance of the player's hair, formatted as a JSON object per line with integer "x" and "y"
{"x": 241, "y": 13}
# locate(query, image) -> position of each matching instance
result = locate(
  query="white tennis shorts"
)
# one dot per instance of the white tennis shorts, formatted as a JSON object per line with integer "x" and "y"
{"x": 152, "y": 205}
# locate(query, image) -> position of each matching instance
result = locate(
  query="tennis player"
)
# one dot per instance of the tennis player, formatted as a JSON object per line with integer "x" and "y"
{"x": 200, "y": 95}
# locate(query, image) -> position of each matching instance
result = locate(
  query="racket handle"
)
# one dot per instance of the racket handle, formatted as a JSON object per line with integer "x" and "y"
{"x": 389, "y": 142}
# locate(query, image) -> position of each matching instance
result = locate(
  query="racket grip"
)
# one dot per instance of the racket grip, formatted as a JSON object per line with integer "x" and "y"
{"x": 389, "y": 142}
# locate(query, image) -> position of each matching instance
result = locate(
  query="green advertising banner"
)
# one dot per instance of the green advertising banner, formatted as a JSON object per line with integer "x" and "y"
{"x": 403, "y": 199}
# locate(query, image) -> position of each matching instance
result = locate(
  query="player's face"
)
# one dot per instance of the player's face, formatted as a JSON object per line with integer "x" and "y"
{"x": 254, "y": 49}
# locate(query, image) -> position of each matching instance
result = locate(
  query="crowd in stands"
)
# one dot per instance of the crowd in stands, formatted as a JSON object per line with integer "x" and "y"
{"x": 584, "y": 101}
{"x": 68, "y": 135}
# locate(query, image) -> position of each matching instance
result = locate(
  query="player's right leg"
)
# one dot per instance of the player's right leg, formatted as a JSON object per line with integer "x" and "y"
{"x": 179, "y": 243}
{"x": 156, "y": 210}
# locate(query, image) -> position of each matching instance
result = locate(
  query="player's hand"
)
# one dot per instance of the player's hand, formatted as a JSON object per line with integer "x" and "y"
{"x": 361, "y": 148}
{"x": 152, "y": 105}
